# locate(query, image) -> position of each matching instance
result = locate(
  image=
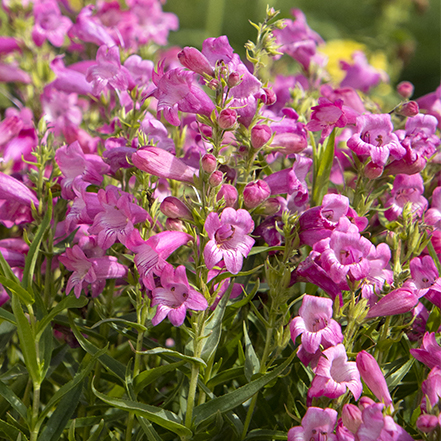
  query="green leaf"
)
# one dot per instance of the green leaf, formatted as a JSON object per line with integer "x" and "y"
{"x": 60, "y": 417}
{"x": 148, "y": 429}
{"x": 31, "y": 258}
{"x": 265, "y": 435}
{"x": 27, "y": 340}
{"x": 14, "y": 287}
{"x": 322, "y": 169}
{"x": 95, "y": 436}
{"x": 11, "y": 432}
{"x": 129, "y": 324}
{"x": 46, "y": 340}
{"x": 162, "y": 417}
{"x": 213, "y": 326}
{"x": 6, "y": 315}
{"x": 84, "y": 370}
{"x": 233, "y": 399}
{"x": 106, "y": 360}
{"x": 394, "y": 379}
{"x": 145, "y": 378}
{"x": 224, "y": 376}
{"x": 170, "y": 352}
{"x": 260, "y": 250}
{"x": 68, "y": 302}
{"x": 252, "y": 364}
{"x": 13, "y": 400}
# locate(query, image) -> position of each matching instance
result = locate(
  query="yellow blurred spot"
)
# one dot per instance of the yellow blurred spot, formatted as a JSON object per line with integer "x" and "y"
{"x": 76, "y": 5}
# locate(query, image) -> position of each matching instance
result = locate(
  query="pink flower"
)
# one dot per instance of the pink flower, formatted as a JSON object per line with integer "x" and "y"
{"x": 429, "y": 352}
{"x": 11, "y": 73}
{"x": 117, "y": 217}
{"x": 69, "y": 80}
{"x": 315, "y": 324}
{"x": 108, "y": 71}
{"x": 326, "y": 116}
{"x": 151, "y": 255}
{"x": 431, "y": 104}
{"x": 176, "y": 90}
{"x": 175, "y": 296}
{"x": 163, "y": 164}
{"x": 49, "y": 23}
{"x": 361, "y": 75}
{"x": 317, "y": 425}
{"x": 425, "y": 279}
{"x": 373, "y": 377}
{"x": 334, "y": 374}
{"x": 431, "y": 387}
{"x": 374, "y": 138}
{"x": 229, "y": 238}
{"x": 87, "y": 271}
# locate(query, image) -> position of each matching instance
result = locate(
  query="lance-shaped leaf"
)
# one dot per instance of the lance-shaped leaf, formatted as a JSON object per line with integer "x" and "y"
{"x": 162, "y": 417}
{"x": 233, "y": 399}
{"x": 146, "y": 377}
{"x": 252, "y": 364}
{"x": 11, "y": 432}
{"x": 9, "y": 395}
{"x": 170, "y": 352}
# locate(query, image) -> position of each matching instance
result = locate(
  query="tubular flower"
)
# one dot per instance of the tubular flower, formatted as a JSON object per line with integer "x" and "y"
{"x": 429, "y": 352}
{"x": 175, "y": 296}
{"x": 317, "y": 425}
{"x": 315, "y": 324}
{"x": 229, "y": 238}
{"x": 334, "y": 374}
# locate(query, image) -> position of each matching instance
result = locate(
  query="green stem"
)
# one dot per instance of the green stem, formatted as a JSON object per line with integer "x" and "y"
{"x": 35, "y": 409}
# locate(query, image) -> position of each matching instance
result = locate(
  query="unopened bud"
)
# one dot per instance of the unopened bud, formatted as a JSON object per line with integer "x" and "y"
{"x": 233, "y": 79}
{"x": 174, "y": 225}
{"x": 227, "y": 118}
{"x": 409, "y": 109}
{"x": 208, "y": 163}
{"x": 174, "y": 208}
{"x": 270, "y": 97}
{"x": 352, "y": 417}
{"x": 373, "y": 171}
{"x": 271, "y": 206}
{"x": 255, "y": 193}
{"x": 194, "y": 60}
{"x": 229, "y": 193}
{"x": 260, "y": 135}
{"x": 215, "y": 178}
{"x": 405, "y": 89}
{"x": 427, "y": 423}
{"x": 214, "y": 84}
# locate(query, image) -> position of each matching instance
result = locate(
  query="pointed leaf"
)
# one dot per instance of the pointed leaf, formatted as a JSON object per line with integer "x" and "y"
{"x": 171, "y": 353}
{"x": 162, "y": 417}
{"x": 252, "y": 364}
{"x": 127, "y": 323}
{"x": 394, "y": 379}
{"x": 14, "y": 287}
{"x": 265, "y": 435}
{"x": 145, "y": 378}
{"x": 13, "y": 400}
{"x": 6, "y": 315}
{"x": 31, "y": 258}
{"x": 233, "y": 399}
{"x": 11, "y": 432}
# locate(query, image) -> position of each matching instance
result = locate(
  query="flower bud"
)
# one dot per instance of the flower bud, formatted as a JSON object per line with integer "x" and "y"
{"x": 399, "y": 301}
{"x": 271, "y": 206}
{"x": 194, "y": 60}
{"x": 409, "y": 109}
{"x": 260, "y": 135}
{"x": 373, "y": 171}
{"x": 427, "y": 423}
{"x": 405, "y": 89}
{"x": 270, "y": 97}
{"x": 174, "y": 225}
{"x": 229, "y": 193}
{"x": 364, "y": 402}
{"x": 208, "y": 163}
{"x": 227, "y": 118}
{"x": 371, "y": 374}
{"x": 255, "y": 193}
{"x": 352, "y": 417}
{"x": 233, "y": 79}
{"x": 215, "y": 178}
{"x": 174, "y": 208}
{"x": 214, "y": 84}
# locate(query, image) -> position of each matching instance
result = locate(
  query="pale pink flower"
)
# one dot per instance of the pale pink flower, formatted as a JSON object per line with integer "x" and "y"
{"x": 175, "y": 296}
{"x": 317, "y": 425}
{"x": 229, "y": 238}
{"x": 429, "y": 352}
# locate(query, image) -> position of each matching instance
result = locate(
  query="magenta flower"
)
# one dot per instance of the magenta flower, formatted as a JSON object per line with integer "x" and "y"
{"x": 87, "y": 270}
{"x": 11, "y": 73}
{"x": 229, "y": 238}
{"x": 317, "y": 425}
{"x": 431, "y": 104}
{"x": 425, "y": 279}
{"x": 374, "y": 138}
{"x": 398, "y": 301}
{"x": 361, "y": 75}
{"x": 151, "y": 255}
{"x": 117, "y": 217}
{"x": 429, "y": 352}
{"x": 69, "y": 80}
{"x": 373, "y": 377}
{"x": 108, "y": 71}
{"x": 326, "y": 116}
{"x": 334, "y": 374}
{"x": 177, "y": 90}
{"x": 175, "y": 296}
{"x": 406, "y": 188}
{"x": 163, "y": 164}
{"x": 298, "y": 40}
{"x": 49, "y": 23}
{"x": 316, "y": 325}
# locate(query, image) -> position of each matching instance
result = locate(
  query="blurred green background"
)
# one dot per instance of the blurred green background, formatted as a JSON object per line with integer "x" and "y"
{"x": 407, "y": 32}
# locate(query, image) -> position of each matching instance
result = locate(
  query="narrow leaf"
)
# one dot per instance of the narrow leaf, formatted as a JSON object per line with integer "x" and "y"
{"x": 31, "y": 258}
{"x": 127, "y": 323}
{"x": 394, "y": 379}
{"x": 97, "y": 434}
{"x": 6, "y": 315}
{"x": 233, "y": 399}
{"x": 14, "y": 287}
{"x": 11, "y": 432}
{"x": 13, "y": 400}
{"x": 170, "y": 352}
{"x": 162, "y": 417}
{"x": 147, "y": 377}
{"x": 265, "y": 435}
{"x": 252, "y": 364}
